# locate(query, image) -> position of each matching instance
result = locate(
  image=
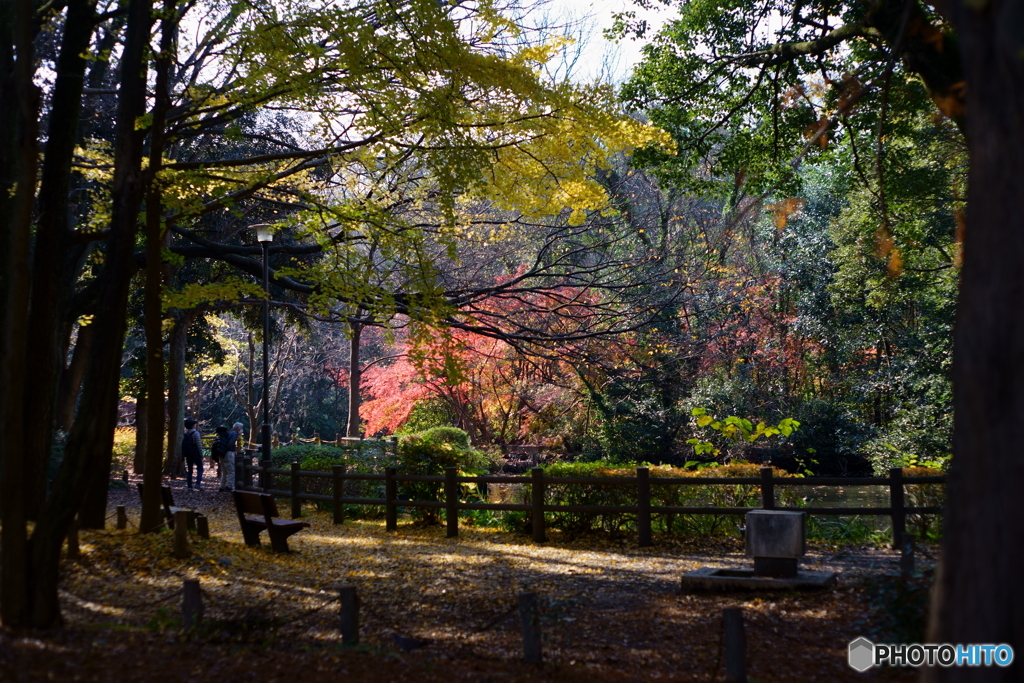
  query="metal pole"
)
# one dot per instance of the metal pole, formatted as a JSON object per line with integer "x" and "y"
{"x": 266, "y": 352}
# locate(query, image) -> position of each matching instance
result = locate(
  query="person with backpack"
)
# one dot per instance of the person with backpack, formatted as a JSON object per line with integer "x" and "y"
{"x": 227, "y": 469}
{"x": 219, "y": 448}
{"x": 192, "y": 451}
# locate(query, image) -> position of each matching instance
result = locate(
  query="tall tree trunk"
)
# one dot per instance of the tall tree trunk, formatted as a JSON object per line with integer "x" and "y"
{"x": 176, "y": 395}
{"x": 979, "y": 597}
{"x": 71, "y": 378}
{"x": 52, "y": 283}
{"x": 84, "y": 476}
{"x": 18, "y": 153}
{"x": 141, "y": 432}
{"x": 155, "y": 241}
{"x": 354, "y": 378}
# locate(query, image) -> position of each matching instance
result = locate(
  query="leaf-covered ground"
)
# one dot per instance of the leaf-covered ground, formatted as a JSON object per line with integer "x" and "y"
{"x": 611, "y": 611}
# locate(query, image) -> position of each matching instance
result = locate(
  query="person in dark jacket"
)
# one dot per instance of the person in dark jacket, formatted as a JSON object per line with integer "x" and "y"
{"x": 192, "y": 450}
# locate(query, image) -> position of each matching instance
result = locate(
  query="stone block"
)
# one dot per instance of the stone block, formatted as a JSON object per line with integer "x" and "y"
{"x": 776, "y": 533}
{"x": 712, "y": 579}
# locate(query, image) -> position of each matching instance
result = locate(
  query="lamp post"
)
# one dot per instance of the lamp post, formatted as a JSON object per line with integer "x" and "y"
{"x": 265, "y": 237}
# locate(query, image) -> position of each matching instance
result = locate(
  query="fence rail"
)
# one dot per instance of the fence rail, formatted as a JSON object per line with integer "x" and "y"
{"x": 538, "y": 482}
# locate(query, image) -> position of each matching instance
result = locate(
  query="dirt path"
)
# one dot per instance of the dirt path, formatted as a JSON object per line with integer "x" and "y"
{"x": 611, "y": 611}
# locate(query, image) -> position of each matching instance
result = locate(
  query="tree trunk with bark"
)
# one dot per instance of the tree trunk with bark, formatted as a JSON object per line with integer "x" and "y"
{"x": 141, "y": 433}
{"x": 979, "y": 597}
{"x": 156, "y": 240}
{"x": 84, "y": 472}
{"x": 71, "y": 379}
{"x": 52, "y": 283}
{"x": 177, "y": 344}
{"x": 18, "y": 153}
{"x": 354, "y": 377}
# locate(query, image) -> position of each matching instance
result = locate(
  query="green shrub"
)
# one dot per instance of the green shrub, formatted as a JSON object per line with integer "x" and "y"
{"x": 418, "y": 455}
{"x": 714, "y": 495}
{"x": 365, "y": 457}
{"x": 927, "y": 527}
{"x": 430, "y": 412}
{"x": 450, "y": 435}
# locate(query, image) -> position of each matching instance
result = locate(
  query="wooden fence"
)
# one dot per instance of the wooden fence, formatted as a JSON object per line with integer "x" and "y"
{"x": 538, "y": 481}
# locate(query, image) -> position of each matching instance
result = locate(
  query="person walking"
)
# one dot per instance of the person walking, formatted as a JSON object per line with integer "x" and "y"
{"x": 192, "y": 450}
{"x": 219, "y": 448}
{"x": 227, "y": 468}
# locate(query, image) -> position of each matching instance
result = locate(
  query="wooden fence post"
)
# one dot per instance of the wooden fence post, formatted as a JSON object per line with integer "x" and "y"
{"x": 767, "y": 489}
{"x": 191, "y": 604}
{"x": 181, "y": 550}
{"x": 390, "y": 494}
{"x": 349, "y": 615}
{"x": 529, "y": 618}
{"x": 296, "y": 491}
{"x": 643, "y": 506}
{"x": 124, "y": 476}
{"x": 122, "y": 517}
{"x": 266, "y": 478}
{"x": 899, "y": 515}
{"x": 451, "y": 501}
{"x": 735, "y": 646}
{"x": 202, "y": 526}
{"x": 538, "y": 505}
{"x": 336, "y": 491}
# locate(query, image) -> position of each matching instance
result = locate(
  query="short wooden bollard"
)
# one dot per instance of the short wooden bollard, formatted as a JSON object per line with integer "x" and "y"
{"x": 181, "y": 549}
{"x": 907, "y": 556}
{"x": 529, "y": 617}
{"x": 202, "y": 526}
{"x": 122, "y": 517}
{"x": 73, "y": 550}
{"x": 349, "y": 615}
{"x": 191, "y": 604}
{"x": 124, "y": 476}
{"x": 735, "y": 646}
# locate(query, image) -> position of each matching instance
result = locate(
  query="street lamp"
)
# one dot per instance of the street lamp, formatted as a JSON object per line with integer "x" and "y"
{"x": 265, "y": 237}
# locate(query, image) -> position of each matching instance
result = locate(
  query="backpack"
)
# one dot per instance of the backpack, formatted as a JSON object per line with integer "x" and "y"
{"x": 188, "y": 446}
{"x": 219, "y": 447}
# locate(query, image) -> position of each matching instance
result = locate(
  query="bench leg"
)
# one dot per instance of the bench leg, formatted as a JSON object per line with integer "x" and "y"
{"x": 251, "y": 534}
{"x": 278, "y": 541}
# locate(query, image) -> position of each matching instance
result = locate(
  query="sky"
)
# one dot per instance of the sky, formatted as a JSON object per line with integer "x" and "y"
{"x": 597, "y": 51}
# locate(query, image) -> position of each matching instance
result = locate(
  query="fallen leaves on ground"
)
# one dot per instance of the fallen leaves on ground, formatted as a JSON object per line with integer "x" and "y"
{"x": 610, "y": 611}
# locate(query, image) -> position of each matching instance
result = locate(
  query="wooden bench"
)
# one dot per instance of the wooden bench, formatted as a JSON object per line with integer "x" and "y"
{"x": 167, "y": 502}
{"x": 258, "y": 511}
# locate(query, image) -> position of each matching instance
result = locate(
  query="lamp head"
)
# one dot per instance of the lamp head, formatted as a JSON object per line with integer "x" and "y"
{"x": 263, "y": 232}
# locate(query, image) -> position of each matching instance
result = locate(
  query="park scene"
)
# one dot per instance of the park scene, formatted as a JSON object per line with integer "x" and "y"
{"x": 406, "y": 340}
